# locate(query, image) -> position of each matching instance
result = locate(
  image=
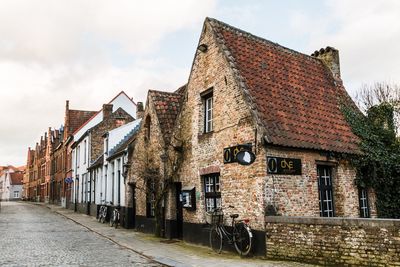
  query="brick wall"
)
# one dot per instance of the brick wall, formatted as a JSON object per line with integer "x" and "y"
{"x": 297, "y": 195}
{"x": 334, "y": 241}
{"x": 241, "y": 186}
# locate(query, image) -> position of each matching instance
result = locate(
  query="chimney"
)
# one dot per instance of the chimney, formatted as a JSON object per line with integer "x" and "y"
{"x": 139, "y": 110}
{"x": 107, "y": 111}
{"x": 330, "y": 57}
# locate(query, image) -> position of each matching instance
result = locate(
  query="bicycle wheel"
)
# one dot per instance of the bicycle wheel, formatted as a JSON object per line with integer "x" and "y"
{"x": 216, "y": 239}
{"x": 112, "y": 219}
{"x": 116, "y": 220}
{"x": 99, "y": 215}
{"x": 242, "y": 238}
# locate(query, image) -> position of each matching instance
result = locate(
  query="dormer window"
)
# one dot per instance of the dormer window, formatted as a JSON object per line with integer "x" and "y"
{"x": 208, "y": 112}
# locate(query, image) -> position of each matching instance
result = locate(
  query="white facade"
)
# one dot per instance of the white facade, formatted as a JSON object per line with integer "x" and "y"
{"x": 110, "y": 187}
{"x": 83, "y": 189}
{"x": 8, "y": 190}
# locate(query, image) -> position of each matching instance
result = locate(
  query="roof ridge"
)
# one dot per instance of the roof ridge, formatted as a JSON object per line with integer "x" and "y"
{"x": 164, "y": 92}
{"x": 256, "y": 38}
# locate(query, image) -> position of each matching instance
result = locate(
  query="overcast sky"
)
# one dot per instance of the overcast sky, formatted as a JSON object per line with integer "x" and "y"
{"x": 87, "y": 51}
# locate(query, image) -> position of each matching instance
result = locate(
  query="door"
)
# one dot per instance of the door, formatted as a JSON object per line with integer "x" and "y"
{"x": 179, "y": 211}
{"x": 131, "y": 221}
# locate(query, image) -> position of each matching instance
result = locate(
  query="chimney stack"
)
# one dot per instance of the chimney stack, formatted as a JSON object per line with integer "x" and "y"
{"x": 330, "y": 57}
{"x": 139, "y": 110}
{"x": 107, "y": 111}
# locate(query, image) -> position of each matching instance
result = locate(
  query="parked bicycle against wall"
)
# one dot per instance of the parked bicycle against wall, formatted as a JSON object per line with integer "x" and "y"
{"x": 102, "y": 213}
{"x": 240, "y": 235}
{"x": 114, "y": 220}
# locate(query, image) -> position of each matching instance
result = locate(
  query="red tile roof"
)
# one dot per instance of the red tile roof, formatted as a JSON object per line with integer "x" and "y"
{"x": 78, "y": 117}
{"x": 295, "y": 97}
{"x": 16, "y": 178}
{"x": 167, "y": 106}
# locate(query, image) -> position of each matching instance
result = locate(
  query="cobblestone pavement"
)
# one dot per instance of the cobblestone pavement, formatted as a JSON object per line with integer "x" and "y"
{"x": 32, "y": 235}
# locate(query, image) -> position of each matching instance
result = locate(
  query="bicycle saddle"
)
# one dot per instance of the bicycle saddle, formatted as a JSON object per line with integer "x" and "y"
{"x": 234, "y": 216}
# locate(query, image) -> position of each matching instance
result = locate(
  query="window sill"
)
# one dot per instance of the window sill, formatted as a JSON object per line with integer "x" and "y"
{"x": 203, "y": 136}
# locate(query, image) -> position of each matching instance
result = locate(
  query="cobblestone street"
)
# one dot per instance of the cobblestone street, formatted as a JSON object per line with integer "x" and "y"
{"x": 32, "y": 235}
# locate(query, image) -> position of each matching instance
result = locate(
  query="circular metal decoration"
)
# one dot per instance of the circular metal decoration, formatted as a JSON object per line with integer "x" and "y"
{"x": 245, "y": 157}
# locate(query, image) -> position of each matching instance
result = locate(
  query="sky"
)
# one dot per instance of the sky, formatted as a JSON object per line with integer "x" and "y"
{"x": 87, "y": 51}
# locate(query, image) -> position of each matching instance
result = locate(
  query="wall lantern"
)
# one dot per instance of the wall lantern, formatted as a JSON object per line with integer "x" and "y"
{"x": 245, "y": 157}
{"x": 125, "y": 169}
{"x": 203, "y": 48}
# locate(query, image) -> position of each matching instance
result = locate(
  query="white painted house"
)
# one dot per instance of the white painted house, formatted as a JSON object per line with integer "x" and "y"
{"x": 11, "y": 184}
{"x": 110, "y": 183}
{"x": 84, "y": 184}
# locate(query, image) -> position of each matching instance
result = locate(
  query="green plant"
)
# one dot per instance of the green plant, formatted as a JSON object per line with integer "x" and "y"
{"x": 379, "y": 164}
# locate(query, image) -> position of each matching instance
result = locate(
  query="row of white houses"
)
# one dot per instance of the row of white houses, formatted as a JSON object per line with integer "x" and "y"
{"x": 99, "y": 153}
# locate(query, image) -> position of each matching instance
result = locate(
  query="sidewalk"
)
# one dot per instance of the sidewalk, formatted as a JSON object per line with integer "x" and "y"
{"x": 170, "y": 254}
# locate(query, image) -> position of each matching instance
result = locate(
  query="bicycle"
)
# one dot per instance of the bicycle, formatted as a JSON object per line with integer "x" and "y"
{"x": 102, "y": 213}
{"x": 241, "y": 235}
{"x": 114, "y": 220}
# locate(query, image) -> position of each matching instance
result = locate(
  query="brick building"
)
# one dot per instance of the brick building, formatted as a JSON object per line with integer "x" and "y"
{"x": 246, "y": 93}
{"x": 49, "y": 163}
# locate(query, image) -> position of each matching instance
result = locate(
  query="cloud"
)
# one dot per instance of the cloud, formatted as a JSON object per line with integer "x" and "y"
{"x": 85, "y": 51}
{"x": 366, "y": 34}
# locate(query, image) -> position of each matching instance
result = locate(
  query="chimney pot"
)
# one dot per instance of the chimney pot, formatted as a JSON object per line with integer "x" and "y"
{"x": 330, "y": 57}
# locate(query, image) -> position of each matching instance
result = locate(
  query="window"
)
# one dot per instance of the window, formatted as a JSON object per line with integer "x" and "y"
{"x": 208, "y": 112}
{"x": 325, "y": 191}
{"x": 151, "y": 198}
{"x": 16, "y": 194}
{"x": 212, "y": 191}
{"x": 364, "y": 205}
{"x": 78, "y": 156}
{"x": 106, "y": 146}
{"x": 84, "y": 151}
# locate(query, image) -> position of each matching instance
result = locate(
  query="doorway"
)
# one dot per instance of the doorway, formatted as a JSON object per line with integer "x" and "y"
{"x": 179, "y": 210}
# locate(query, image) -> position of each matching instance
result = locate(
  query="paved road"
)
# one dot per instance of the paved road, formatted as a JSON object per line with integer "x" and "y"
{"x": 32, "y": 235}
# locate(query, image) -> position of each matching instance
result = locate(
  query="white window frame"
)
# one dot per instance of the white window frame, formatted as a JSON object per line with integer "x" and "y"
{"x": 208, "y": 113}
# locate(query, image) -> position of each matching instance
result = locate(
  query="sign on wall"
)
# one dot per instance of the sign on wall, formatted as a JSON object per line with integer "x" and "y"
{"x": 230, "y": 153}
{"x": 288, "y": 166}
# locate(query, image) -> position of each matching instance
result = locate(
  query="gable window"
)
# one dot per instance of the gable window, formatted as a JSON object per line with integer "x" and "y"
{"x": 325, "y": 189}
{"x": 151, "y": 198}
{"x": 208, "y": 112}
{"x": 212, "y": 189}
{"x": 364, "y": 205}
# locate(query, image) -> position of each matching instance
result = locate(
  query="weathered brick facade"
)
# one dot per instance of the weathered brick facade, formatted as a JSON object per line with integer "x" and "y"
{"x": 318, "y": 136}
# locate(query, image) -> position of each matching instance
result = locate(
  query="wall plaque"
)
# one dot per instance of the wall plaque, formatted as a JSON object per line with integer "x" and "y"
{"x": 276, "y": 165}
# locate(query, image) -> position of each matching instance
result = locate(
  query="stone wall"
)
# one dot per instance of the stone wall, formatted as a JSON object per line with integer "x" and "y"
{"x": 334, "y": 241}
